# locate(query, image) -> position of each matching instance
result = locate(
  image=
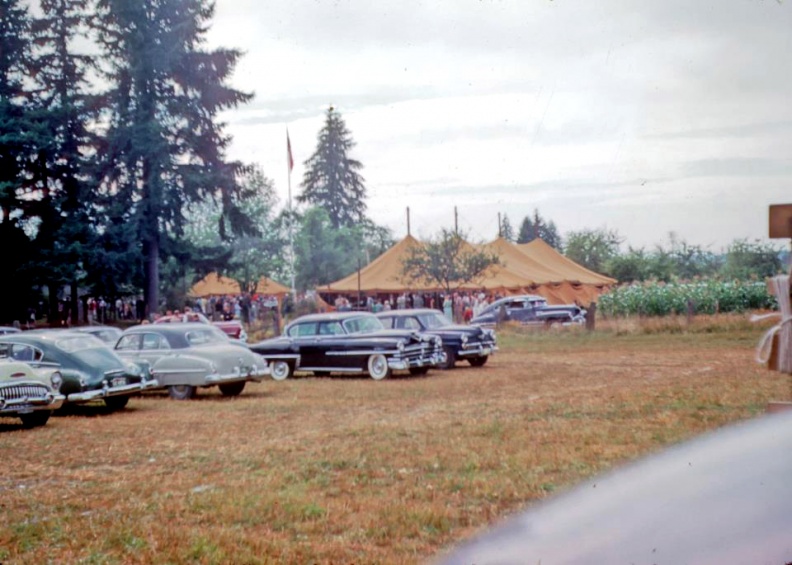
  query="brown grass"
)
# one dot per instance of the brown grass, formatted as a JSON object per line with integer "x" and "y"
{"x": 347, "y": 470}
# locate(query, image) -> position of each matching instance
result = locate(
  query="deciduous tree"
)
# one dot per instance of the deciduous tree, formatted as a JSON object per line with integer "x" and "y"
{"x": 448, "y": 261}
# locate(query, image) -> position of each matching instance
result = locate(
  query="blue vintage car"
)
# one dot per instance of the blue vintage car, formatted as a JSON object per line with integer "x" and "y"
{"x": 90, "y": 370}
{"x": 471, "y": 343}
{"x": 348, "y": 342}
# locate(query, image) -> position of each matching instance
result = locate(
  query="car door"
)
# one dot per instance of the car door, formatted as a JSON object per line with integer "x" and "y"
{"x": 303, "y": 339}
{"x": 153, "y": 347}
{"x": 328, "y": 349}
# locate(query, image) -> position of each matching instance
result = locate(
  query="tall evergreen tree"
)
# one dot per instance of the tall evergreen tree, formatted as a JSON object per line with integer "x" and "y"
{"x": 538, "y": 227}
{"x": 15, "y": 66}
{"x": 61, "y": 165}
{"x": 506, "y": 230}
{"x": 165, "y": 147}
{"x": 15, "y": 151}
{"x": 332, "y": 180}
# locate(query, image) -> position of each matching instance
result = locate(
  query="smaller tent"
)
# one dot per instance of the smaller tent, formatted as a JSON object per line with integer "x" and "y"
{"x": 216, "y": 285}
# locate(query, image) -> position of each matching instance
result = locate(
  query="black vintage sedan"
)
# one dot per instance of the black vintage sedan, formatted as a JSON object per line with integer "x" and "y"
{"x": 471, "y": 343}
{"x": 90, "y": 370}
{"x": 348, "y": 342}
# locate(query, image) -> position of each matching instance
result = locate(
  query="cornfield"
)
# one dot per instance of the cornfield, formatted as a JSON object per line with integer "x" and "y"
{"x": 705, "y": 297}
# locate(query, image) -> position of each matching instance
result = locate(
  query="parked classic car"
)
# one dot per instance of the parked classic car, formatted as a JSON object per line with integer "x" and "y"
{"x": 232, "y": 328}
{"x": 529, "y": 309}
{"x": 90, "y": 370}
{"x": 183, "y": 357}
{"x": 29, "y": 393}
{"x": 472, "y": 343}
{"x": 348, "y": 342}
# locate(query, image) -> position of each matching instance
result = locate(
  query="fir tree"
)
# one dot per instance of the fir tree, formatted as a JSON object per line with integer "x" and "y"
{"x": 61, "y": 169}
{"x": 165, "y": 147}
{"x": 331, "y": 179}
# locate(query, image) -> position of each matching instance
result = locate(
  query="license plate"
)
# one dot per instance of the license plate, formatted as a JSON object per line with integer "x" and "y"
{"x": 118, "y": 381}
{"x": 486, "y": 351}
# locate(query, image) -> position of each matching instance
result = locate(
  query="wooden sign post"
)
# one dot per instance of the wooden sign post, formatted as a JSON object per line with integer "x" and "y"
{"x": 780, "y": 226}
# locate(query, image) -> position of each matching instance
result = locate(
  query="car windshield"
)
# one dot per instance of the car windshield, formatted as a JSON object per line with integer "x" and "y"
{"x": 433, "y": 320}
{"x": 363, "y": 324}
{"x": 205, "y": 336}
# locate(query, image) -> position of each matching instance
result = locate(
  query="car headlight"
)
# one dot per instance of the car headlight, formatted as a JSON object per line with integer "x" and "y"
{"x": 464, "y": 339}
{"x": 56, "y": 380}
{"x": 438, "y": 341}
{"x": 400, "y": 345}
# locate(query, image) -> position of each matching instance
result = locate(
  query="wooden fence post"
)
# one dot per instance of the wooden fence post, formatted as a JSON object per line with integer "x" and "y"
{"x": 591, "y": 314}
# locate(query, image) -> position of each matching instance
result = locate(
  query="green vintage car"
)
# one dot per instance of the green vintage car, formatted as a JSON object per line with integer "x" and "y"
{"x": 90, "y": 369}
{"x": 29, "y": 393}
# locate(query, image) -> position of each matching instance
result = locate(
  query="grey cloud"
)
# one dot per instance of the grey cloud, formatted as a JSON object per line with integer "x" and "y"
{"x": 743, "y": 130}
{"x": 737, "y": 167}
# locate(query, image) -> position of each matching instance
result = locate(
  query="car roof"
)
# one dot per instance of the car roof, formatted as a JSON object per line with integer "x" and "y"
{"x": 408, "y": 312}
{"x": 169, "y": 328}
{"x": 331, "y": 316}
{"x": 46, "y": 335}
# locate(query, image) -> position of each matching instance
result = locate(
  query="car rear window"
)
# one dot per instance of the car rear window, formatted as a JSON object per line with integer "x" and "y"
{"x": 204, "y": 336}
{"x": 78, "y": 343}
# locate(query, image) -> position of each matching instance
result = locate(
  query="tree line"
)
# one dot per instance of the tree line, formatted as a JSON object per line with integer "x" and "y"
{"x": 115, "y": 179}
{"x": 114, "y": 173}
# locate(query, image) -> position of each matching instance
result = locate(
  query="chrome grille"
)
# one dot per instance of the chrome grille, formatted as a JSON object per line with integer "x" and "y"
{"x": 15, "y": 392}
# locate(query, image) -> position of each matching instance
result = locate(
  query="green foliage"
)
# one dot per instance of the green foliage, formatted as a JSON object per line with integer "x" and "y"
{"x": 332, "y": 180}
{"x": 745, "y": 260}
{"x": 707, "y": 297}
{"x": 324, "y": 253}
{"x": 447, "y": 260}
{"x": 538, "y": 227}
{"x": 679, "y": 260}
{"x": 593, "y": 248}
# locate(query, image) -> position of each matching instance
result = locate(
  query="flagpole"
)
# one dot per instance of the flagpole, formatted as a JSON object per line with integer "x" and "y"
{"x": 289, "y": 167}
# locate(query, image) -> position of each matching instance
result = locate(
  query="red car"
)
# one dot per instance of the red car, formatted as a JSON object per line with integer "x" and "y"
{"x": 232, "y": 328}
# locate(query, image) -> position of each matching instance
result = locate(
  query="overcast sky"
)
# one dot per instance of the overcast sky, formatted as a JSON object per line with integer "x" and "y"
{"x": 645, "y": 117}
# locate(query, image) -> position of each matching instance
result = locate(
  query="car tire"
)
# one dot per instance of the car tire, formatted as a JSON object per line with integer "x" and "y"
{"x": 181, "y": 392}
{"x": 232, "y": 389}
{"x": 281, "y": 370}
{"x": 378, "y": 367}
{"x": 450, "y": 360}
{"x": 478, "y": 361}
{"x": 35, "y": 419}
{"x": 116, "y": 402}
{"x": 419, "y": 370}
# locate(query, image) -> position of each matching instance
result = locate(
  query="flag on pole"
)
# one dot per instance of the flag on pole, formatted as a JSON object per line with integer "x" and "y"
{"x": 289, "y": 158}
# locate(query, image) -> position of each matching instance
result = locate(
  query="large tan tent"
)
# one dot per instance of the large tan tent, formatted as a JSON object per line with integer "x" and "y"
{"x": 215, "y": 285}
{"x": 382, "y": 275}
{"x": 536, "y": 271}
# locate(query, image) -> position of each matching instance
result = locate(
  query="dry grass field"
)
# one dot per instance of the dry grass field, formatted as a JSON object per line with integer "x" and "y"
{"x": 348, "y": 470}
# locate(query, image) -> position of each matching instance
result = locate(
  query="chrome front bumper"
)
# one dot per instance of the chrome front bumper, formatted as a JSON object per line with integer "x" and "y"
{"x": 476, "y": 350}
{"x": 26, "y": 405}
{"x": 400, "y": 364}
{"x": 107, "y": 391}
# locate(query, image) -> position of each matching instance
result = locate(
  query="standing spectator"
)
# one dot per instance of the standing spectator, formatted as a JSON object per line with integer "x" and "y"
{"x": 448, "y": 307}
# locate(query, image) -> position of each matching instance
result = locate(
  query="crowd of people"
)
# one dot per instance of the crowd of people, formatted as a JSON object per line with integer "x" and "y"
{"x": 460, "y": 307}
